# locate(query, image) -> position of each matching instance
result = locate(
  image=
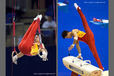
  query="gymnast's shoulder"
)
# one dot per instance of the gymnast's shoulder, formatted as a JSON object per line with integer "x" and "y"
{"x": 75, "y": 30}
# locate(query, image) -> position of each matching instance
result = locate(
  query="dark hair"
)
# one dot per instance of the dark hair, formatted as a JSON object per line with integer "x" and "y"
{"x": 64, "y": 33}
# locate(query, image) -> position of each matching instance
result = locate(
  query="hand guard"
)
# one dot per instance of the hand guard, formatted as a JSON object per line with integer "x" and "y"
{"x": 44, "y": 55}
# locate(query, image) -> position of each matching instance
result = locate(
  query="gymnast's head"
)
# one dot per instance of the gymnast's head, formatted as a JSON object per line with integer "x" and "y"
{"x": 36, "y": 39}
{"x": 66, "y": 34}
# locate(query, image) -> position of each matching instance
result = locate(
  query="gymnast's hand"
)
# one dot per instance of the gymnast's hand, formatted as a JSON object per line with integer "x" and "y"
{"x": 80, "y": 56}
{"x": 44, "y": 54}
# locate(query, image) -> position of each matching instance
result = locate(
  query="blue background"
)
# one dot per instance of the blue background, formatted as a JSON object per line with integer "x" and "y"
{"x": 68, "y": 19}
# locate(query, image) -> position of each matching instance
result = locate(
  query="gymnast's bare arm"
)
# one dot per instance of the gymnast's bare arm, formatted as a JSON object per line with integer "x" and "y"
{"x": 74, "y": 33}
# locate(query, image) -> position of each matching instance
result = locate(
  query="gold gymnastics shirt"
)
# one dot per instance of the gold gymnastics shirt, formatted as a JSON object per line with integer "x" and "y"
{"x": 34, "y": 49}
{"x": 81, "y": 34}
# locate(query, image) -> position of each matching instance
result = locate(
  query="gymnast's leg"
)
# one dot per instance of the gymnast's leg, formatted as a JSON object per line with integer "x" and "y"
{"x": 20, "y": 54}
{"x": 20, "y": 46}
{"x": 91, "y": 41}
{"x": 25, "y": 46}
{"x": 27, "y": 32}
{"x": 84, "y": 21}
{"x": 95, "y": 54}
{"x": 27, "y": 41}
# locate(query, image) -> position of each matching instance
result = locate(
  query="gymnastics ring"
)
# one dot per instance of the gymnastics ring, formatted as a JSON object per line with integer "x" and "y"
{"x": 14, "y": 52}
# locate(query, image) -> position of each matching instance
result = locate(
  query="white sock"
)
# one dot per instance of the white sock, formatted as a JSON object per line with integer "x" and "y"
{"x": 38, "y": 16}
{"x": 76, "y": 6}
